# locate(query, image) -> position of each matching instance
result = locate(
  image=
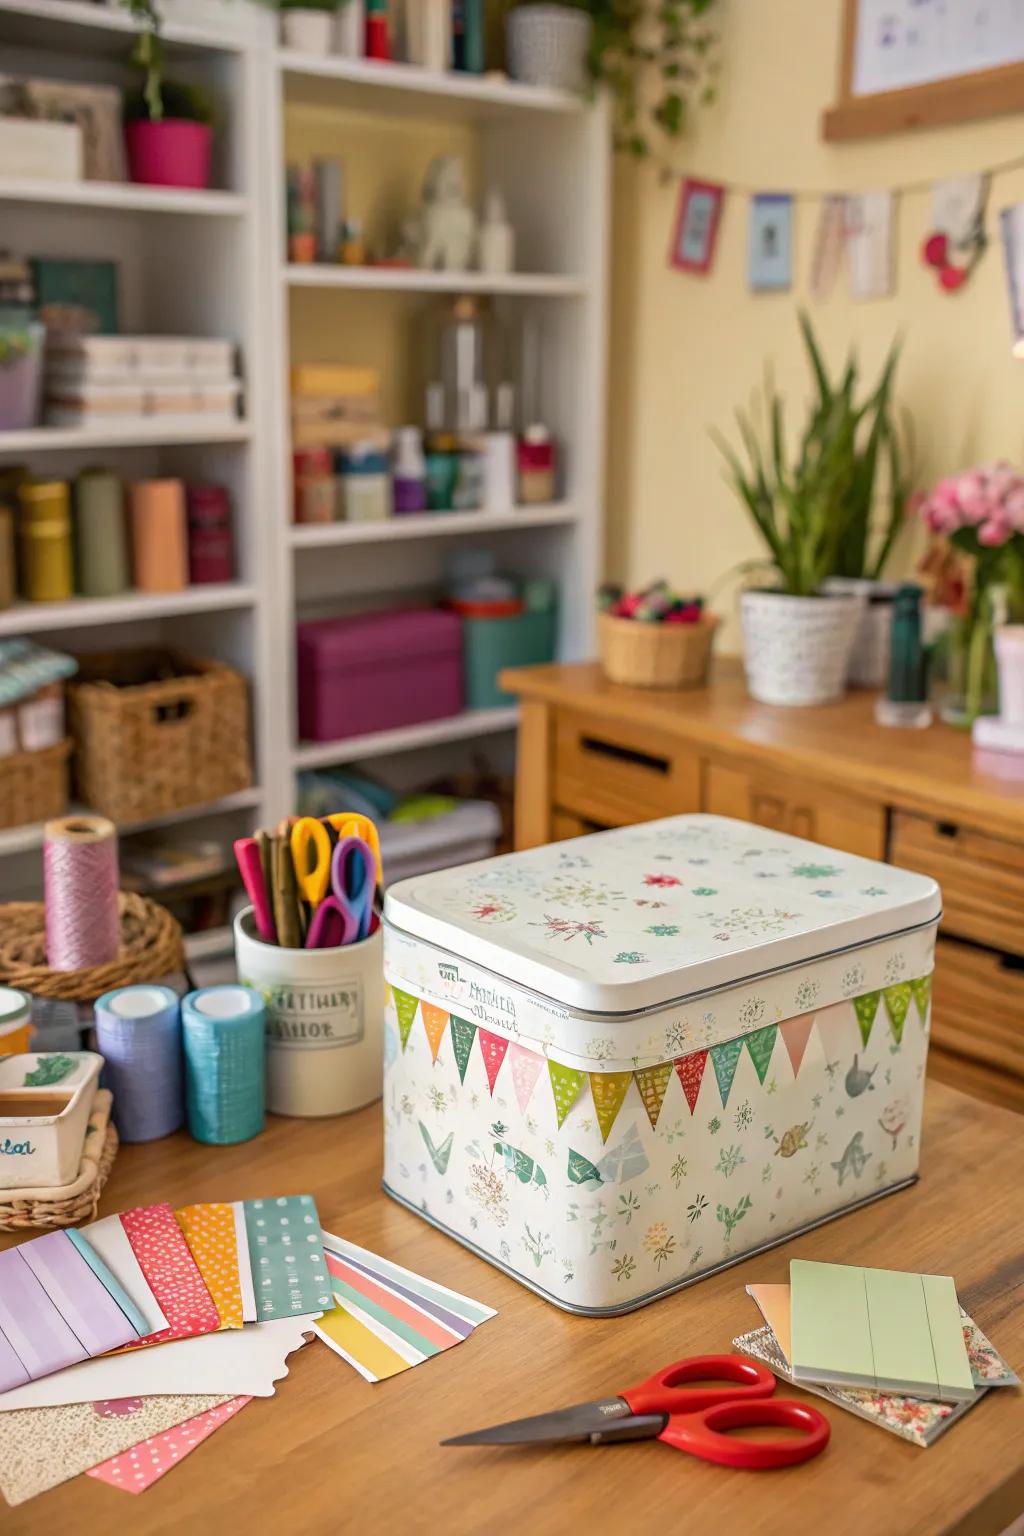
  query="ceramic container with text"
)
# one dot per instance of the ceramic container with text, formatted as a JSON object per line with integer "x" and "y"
{"x": 45, "y": 1103}
{"x": 616, "y": 1064}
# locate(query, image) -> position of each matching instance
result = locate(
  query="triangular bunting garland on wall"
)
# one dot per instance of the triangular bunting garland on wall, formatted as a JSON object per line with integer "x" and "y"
{"x": 922, "y": 992}
{"x": 897, "y": 1006}
{"x": 690, "y": 1072}
{"x": 405, "y": 1007}
{"x": 834, "y": 1025}
{"x": 609, "y": 1089}
{"x": 866, "y": 1007}
{"x": 760, "y": 1045}
{"x": 492, "y": 1049}
{"x": 795, "y": 1035}
{"x": 566, "y": 1083}
{"x": 463, "y": 1035}
{"x": 724, "y": 1059}
{"x": 652, "y": 1082}
{"x": 435, "y": 1022}
{"x": 526, "y": 1066}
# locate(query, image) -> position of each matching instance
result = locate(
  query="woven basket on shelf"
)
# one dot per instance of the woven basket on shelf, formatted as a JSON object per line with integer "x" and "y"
{"x": 46, "y": 1209}
{"x": 156, "y": 731}
{"x": 34, "y": 785}
{"x": 656, "y": 655}
{"x": 151, "y": 947}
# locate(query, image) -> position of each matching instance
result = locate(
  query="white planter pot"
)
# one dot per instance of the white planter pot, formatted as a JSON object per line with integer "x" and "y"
{"x": 308, "y": 31}
{"x": 547, "y": 46}
{"x": 872, "y": 644}
{"x": 350, "y": 30}
{"x": 796, "y": 650}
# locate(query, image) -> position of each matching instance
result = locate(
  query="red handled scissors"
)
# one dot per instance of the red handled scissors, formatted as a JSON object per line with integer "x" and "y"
{"x": 690, "y": 1418}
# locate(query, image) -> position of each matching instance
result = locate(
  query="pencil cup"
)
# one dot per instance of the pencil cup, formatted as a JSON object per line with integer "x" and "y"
{"x": 325, "y": 1021}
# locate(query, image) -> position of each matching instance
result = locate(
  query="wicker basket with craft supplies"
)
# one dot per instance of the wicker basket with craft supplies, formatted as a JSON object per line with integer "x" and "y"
{"x": 151, "y": 946}
{"x": 34, "y": 749}
{"x": 654, "y": 638}
{"x": 156, "y": 730}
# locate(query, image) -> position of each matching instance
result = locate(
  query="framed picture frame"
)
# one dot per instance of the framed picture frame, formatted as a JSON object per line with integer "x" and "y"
{"x": 696, "y": 227}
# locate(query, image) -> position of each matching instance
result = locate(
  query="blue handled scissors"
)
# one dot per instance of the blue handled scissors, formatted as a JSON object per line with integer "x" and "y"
{"x": 345, "y": 915}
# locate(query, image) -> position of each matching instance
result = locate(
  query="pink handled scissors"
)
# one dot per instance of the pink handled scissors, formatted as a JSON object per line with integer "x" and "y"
{"x": 689, "y": 1418}
{"x": 345, "y": 915}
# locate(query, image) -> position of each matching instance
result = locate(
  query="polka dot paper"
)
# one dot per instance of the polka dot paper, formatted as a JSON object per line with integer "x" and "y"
{"x": 171, "y": 1271}
{"x": 286, "y": 1251}
{"x": 137, "y": 1469}
{"x": 210, "y": 1234}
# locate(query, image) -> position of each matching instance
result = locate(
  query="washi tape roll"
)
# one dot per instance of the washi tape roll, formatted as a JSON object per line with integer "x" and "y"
{"x": 224, "y": 1031}
{"x": 80, "y": 878}
{"x": 138, "y": 1031}
{"x": 15, "y": 1021}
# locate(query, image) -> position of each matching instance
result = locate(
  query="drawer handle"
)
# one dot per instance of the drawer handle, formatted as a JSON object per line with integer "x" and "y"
{"x": 625, "y": 754}
{"x": 947, "y": 829}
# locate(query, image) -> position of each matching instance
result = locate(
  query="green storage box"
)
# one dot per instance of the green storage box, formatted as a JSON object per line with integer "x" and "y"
{"x": 489, "y": 645}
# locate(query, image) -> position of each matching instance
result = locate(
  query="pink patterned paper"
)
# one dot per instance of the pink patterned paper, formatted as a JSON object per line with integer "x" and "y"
{"x": 137, "y": 1469}
{"x": 172, "y": 1273}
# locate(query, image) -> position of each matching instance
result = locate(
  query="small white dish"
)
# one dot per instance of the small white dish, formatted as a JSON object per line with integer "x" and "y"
{"x": 45, "y": 1102}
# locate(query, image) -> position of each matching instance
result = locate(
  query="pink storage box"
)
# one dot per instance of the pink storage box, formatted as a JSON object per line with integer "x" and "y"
{"x": 376, "y": 671}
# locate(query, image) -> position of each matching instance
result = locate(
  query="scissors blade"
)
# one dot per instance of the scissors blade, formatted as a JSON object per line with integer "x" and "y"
{"x": 581, "y": 1422}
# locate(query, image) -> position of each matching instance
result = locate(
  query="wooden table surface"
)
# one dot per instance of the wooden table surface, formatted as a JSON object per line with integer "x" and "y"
{"x": 331, "y": 1453}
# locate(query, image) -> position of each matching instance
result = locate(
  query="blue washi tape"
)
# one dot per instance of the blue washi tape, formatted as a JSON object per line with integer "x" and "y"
{"x": 138, "y": 1032}
{"x": 224, "y": 1032}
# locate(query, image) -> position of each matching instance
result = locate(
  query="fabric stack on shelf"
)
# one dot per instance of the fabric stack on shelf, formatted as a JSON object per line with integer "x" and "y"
{"x": 96, "y": 380}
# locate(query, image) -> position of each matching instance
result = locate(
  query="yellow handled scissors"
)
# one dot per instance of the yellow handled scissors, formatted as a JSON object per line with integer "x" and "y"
{"x": 351, "y": 824}
{"x": 313, "y": 843}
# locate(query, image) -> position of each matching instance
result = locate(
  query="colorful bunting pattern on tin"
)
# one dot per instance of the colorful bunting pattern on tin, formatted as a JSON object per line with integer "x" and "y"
{"x": 897, "y": 1006}
{"x": 609, "y": 1089}
{"x": 652, "y": 1083}
{"x": 724, "y": 1059}
{"x": 690, "y": 1072}
{"x": 566, "y": 1083}
{"x": 405, "y": 1007}
{"x": 493, "y": 1049}
{"x": 463, "y": 1035}
{"x": 922, "y": 993}
{"x": 526, "y": 1068}
{"x": 760, "y": 1045}
{"x": 866, "y": 1007}
{"x": 795, "y": 1035}
{"x": 435, "y": 1022}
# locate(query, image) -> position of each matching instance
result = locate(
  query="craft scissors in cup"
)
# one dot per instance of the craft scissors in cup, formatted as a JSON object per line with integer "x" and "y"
{"x": 696, "y": 1419}
{"x": 345, "y": 915}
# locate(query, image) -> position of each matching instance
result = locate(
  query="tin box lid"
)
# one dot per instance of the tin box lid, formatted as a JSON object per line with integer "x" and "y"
{"x": 628, "y": 920}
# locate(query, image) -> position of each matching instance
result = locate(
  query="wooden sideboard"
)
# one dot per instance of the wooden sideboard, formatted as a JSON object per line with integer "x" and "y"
{"x": 594, "y": 755}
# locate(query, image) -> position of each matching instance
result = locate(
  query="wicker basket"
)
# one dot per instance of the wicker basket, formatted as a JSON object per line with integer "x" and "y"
{"x": 23, "y": 1209}
{"x": 156, "y": 731}
{"x": 151, "y": 947}
{"x": 656, "y": 655}
{"x": 34, "y": 785}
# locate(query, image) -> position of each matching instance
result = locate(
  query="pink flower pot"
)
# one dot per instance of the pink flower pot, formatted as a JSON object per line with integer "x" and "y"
{"x": 171, "y": 153}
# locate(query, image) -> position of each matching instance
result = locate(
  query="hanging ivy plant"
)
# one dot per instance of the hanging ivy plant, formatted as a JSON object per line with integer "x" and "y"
{"x": 148, "y": 52}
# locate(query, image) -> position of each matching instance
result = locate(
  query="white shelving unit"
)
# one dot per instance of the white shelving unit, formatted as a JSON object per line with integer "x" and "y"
{"x": 214, "y": 263}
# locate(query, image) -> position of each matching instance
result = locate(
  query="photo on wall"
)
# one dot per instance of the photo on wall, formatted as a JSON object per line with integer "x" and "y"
{"x": 696, "y": 230}
{"x": 770, "y": 252}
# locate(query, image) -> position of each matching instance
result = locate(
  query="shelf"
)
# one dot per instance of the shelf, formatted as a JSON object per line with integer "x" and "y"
{"x": 413, "y": 280}
{"x": 155, "y": 433}
{"x": 122, "y": 196}
{"x": 25, "y": 839}
{"x": 106, "y": 30}
{"x": 409, "y": 738}
{"x": 84, "y": 612}
{"x": 404, "y": 88}
{"x": 429, "y": 525}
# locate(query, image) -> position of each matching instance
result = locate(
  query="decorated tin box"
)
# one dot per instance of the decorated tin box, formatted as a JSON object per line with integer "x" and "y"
{"x": 616, "y": 1064}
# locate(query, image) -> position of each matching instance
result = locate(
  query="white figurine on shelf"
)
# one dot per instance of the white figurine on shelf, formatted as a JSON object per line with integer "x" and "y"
{"x": 496, "y": 249}
{"x": 441, "y": 235}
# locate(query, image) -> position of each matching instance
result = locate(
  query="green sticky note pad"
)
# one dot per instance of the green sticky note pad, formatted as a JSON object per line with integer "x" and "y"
{"x": 286, "y": 1253}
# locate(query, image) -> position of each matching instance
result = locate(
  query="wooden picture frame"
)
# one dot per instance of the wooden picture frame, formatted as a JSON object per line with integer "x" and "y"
{"x": 958, "y": 98}
{"x": 696, "y": 228}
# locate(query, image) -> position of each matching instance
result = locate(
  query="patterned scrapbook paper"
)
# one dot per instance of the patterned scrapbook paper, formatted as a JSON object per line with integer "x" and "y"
{"x": 167, "y": 1264}
{"x": 42, "y": 1447}
{"x": 287, "y": 1256}
{"x": 144, "y": 1464}
{"x": 210, "y": 1234}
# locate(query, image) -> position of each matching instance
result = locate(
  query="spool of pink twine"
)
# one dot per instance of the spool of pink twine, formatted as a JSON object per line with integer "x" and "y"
{"x": 80, "y": 879}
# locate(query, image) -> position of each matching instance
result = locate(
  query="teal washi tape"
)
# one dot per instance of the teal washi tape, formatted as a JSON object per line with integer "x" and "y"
{"x": 224, "y": 1035}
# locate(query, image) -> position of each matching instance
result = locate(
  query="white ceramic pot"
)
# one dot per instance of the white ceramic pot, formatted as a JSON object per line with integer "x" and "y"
{"x": 872, "y": 644}
{"x": 796, "y": 650}
{"x": 547, "y": 46}
{"x": 325, "y": 1021}
{"x": 350, "y": 30}
{"x": 307, "y": 31}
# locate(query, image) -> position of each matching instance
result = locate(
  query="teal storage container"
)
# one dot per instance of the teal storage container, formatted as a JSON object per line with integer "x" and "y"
{"x": 489, "y": 645}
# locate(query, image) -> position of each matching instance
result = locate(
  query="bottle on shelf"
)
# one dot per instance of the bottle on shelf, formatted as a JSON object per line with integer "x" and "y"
{"x": 44, "y": 540}
{"x": 428, "y": 32}
{"x": 378, "y": 31}
{"x": 101, "y": 534}
{"x": 496, "y": 243}
{"x": 498, "y": 454}
{"x": 409, "y": 472}
{"x": 468, "y": 36}
{"x": 441, "y": 453}
{"x": 350, "y": 29}
{"x": 211, "y": 554}
{"x": 159, "y": 535}
{"x": 537, "y": 466}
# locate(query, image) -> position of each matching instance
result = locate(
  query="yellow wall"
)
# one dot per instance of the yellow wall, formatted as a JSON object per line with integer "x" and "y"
{"x": 686, "y": 350}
